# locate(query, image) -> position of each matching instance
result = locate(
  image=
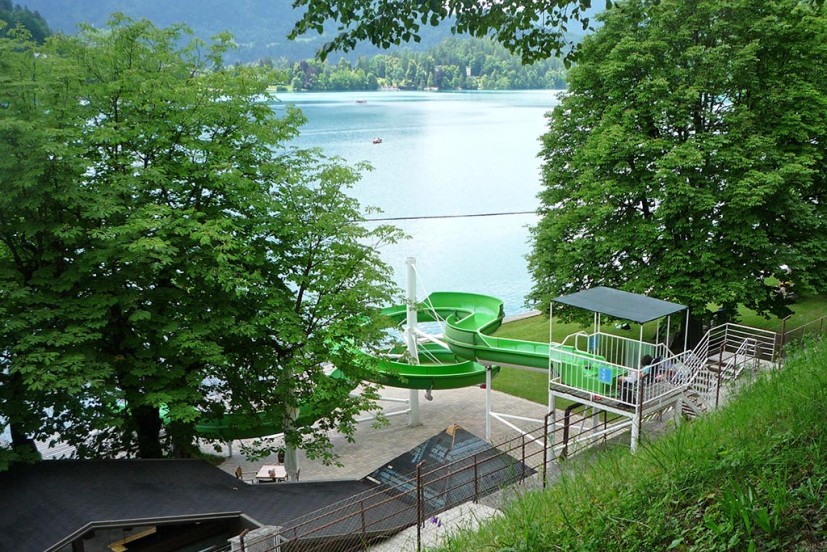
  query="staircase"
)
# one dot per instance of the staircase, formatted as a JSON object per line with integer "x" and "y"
{"x": 719, "y": 359}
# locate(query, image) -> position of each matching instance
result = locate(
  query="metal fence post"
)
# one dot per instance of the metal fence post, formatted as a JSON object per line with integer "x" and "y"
{"x": 545, "y": 449}
{"x": 522, "y": 446}
{"x": 419, "y": 507}
{"x": 476, "y": 481}
{"x": 720, "y": 370}
{"x": 783, "y": 336}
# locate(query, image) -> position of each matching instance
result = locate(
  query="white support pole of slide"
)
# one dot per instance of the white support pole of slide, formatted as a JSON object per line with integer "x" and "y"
{"x": 488, "y": 403}
{"x": 410, "y": 339}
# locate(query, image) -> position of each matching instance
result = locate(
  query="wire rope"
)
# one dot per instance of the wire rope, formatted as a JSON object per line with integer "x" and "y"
{"x": 429, "y": 304}
{"x": 463, "y": 215}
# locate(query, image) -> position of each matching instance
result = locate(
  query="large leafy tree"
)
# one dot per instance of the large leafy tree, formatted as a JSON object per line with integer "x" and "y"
{"x": 687, "y": 158}
{"x": 39, "y": 205}
{"x": 165, "y": 254}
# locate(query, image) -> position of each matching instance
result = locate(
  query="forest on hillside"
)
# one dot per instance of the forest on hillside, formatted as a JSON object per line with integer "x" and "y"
{"x": 14, "y": 15}
{"x": 455, "y": 64}
{"x": 260, "y": 27}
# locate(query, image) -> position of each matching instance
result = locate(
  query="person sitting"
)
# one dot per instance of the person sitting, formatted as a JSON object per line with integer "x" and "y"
{"x": 628, "y": 383}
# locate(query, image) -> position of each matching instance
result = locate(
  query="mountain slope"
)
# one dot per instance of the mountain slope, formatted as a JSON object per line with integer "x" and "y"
{"x": 260, "y": 27}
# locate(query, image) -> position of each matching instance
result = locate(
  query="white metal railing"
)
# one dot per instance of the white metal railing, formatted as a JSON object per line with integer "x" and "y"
{"x": 721, "y": 356}
{"x": 610, "y": 368}
{"x": 607, "y": 366}
{"x": 619, "y": 350}
{"x": 729, "y": 337}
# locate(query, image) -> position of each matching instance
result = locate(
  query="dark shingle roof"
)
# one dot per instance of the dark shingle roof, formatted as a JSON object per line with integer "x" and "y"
{"x": 43, "y": 505}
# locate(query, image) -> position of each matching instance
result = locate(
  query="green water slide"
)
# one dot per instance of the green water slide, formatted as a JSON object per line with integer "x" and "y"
{"x": 233, "y": 426}
{"x": 244, "y": 426}
{"x": 470, "y": 318}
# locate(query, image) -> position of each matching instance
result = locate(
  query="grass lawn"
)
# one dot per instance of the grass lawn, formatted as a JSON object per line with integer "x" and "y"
{"x": 533, "y": 386}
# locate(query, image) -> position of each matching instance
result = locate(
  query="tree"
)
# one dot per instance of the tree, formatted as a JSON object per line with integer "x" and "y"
{"x": 533, "y": 31}
{"x": 39, "y": 229}
{"x": 161, "y": 242}
{"x": 687, "y": 158}
{"x": 14, "y": 16}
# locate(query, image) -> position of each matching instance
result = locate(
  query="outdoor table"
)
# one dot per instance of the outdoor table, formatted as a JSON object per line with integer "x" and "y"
{"x": 271, "y": 472}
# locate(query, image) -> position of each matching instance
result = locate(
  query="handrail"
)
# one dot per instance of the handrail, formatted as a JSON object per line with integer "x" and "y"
{"x": 820, "y": 321}
{"x": 575, "y": 335}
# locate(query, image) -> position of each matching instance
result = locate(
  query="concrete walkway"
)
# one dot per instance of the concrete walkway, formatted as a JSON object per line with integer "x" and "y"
{"x": 375, "y": 446}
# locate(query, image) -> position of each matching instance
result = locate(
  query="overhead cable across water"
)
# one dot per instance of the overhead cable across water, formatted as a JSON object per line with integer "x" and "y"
{"x": 471, "y": 215}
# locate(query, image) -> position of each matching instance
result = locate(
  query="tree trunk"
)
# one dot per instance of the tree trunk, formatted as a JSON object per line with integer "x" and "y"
{"x": 148, "y": 427}
{"x": 19, "y": 440}
{"x": 182, "y": 437}
{"x": 696, "y": 332}
{"x": 291, "y": 460}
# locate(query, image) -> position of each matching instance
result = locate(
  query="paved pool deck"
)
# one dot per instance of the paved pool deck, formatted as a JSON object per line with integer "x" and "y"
{"x": 374, "y": 446}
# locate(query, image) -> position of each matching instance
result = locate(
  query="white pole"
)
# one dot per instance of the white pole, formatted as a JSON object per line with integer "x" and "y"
{"x": 686, "y": 332}
{"x": 488, "y": 403}
{"x": 410, "y": 339}
{"x": 550, "y": 347}
{"x": 640, "y": 352}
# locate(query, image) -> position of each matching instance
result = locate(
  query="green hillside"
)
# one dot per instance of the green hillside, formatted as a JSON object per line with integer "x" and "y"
{"x": 752, "y": 476}
{"x": 260, "y": 27}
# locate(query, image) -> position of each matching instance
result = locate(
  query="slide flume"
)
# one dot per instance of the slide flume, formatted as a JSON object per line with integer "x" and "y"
{"x": 469, "y": 319}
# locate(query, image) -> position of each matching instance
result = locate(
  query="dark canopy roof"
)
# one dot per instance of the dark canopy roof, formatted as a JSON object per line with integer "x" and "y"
{"x": 620, "y": 304}
{"x": 45, "y": 506}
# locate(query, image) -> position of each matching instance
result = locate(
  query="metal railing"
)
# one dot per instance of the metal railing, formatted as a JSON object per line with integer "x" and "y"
{"x": 604, "y": 367}
{"x": 799, "y": 334}
{"x": 418, "y": 501}
{"x": 610, "y": 371}
{"x": 721, "y": 356}
{"x": 415, "y": 503}
{"x": 730, "y": 336}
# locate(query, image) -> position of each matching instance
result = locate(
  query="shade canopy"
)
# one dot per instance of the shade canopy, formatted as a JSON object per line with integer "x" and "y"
{"x": 620, "y": 304}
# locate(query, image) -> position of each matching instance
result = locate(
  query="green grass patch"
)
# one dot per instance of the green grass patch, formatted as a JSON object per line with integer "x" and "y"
{"x": 522, "y": 383}
{"x": 752, "y": 476}
{"x": 805, "y": 310}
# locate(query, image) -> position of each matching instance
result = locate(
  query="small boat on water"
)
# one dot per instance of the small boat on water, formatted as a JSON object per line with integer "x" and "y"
{"x": 377, "y": 140}
{"x": 361, "y": 101}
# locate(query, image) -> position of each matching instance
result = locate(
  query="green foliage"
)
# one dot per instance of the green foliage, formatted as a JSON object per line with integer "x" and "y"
{"x": 161, "y": 247}
{"x": 15, "y": 16}
{"x": 533, "y": 32}
{"x": 467, "y": 64}
{"x": 749, "y": 477}
{"x": 686, "y": 158}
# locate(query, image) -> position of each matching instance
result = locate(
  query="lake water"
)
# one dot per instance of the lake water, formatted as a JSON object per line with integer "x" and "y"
{"x": 444, "y": 154}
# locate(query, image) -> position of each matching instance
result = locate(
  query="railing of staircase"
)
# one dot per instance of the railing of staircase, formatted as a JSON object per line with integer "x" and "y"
{"x": 798, "y": 334}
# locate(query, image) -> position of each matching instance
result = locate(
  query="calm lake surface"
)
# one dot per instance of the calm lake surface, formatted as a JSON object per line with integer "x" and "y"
{"x": 443, "y": 154}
